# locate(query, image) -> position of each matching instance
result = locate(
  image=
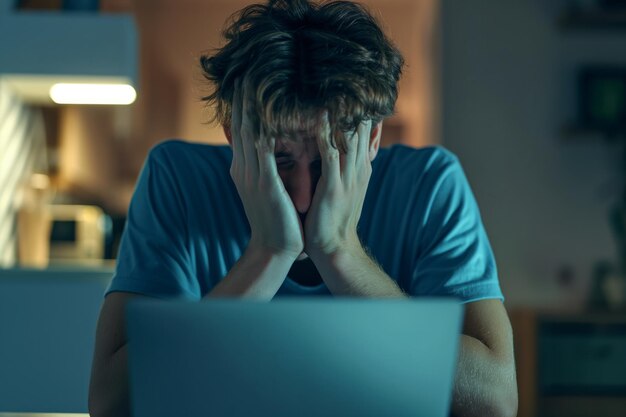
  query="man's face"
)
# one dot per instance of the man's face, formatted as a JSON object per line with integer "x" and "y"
{"x": 299, "y": 167}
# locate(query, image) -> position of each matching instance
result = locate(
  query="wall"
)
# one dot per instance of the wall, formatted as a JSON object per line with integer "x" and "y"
{"x": 93, "y": 156}
{"x": 96, "y": 152}
{"x": 508, "y": 89}
{"x": 101, "y": 150}
{"x": 173, "y": 34}
{"x": 22, "y": 152}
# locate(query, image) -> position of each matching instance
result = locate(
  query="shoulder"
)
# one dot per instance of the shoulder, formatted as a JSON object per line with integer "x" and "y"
{"x": 415, "y": 160}
{"x": 424, "y": 168}
{"x": 180, "y": 166}
{"x": 179, "y": 153}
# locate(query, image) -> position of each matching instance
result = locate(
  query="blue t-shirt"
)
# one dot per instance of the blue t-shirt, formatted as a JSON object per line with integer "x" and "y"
{"x": 187, "y": 227}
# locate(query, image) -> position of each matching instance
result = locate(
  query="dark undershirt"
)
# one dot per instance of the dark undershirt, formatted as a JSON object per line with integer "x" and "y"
{"x": 305, "y": 273}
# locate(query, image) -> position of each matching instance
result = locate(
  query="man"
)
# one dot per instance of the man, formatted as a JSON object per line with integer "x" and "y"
{"x": 304, "y": 202}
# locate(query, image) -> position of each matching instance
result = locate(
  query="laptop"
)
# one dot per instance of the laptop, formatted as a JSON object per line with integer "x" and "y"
{"x": 293, "y": 357}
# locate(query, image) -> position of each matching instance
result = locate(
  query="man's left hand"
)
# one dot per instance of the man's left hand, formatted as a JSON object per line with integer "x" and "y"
{"x": 331, "y": 223}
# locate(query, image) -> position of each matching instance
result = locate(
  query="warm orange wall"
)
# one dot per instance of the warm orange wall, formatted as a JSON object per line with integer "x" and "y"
{"x": 412, "y": 24}
{"x": 174, "y": 33}
{"x": 102, "y": 150}
{"x": 93, "y": 158}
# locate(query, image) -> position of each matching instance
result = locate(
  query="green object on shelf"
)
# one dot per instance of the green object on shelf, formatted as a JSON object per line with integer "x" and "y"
{"x": 608, "y": 100}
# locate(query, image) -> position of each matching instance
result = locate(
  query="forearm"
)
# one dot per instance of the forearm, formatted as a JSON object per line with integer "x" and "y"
{"x": 352, "y": 272}
{"x": 258, "y": 274}
{"x": 484, "y": 384}
{"x": 108, "y": 391}
{"x": 485, "y": 381}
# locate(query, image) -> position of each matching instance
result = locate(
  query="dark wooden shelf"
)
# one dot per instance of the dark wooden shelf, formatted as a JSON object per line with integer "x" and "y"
{"x": 593, "y": 20}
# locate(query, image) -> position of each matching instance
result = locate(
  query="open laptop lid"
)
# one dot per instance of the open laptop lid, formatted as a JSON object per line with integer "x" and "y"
{"x": 296, "y": 357}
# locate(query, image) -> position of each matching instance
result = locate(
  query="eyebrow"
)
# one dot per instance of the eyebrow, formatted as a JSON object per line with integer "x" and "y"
{"x": 285, "y": 154}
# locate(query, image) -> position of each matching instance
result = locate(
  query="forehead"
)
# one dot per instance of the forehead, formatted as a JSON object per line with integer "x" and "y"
{"x": 297, "y": 143}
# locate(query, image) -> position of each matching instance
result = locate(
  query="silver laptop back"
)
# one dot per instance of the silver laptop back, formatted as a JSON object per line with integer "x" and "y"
{"x": 294, "y": 357}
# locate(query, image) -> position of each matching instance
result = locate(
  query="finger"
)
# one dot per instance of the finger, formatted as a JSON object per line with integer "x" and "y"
{"x": 265, "y": 154}
{"x": 235, "y": 124}
{"x": 236, "y": 106}
{"x": 351, "y": 140}
{"x": 328, "y": 153}
{"x": 249, "y": 130}
{"x": 364, "y": 131}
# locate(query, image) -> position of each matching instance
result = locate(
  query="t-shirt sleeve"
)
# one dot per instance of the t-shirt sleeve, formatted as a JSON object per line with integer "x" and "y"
{"x": 455, "y": 257}
{"x": 154, "y": 258}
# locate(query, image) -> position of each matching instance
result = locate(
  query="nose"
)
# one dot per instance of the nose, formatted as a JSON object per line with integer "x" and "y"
{"x": 300, "y": 184}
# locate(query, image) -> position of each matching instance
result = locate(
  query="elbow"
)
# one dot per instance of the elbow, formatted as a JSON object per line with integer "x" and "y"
{"x": 95, "y": 412}
{"x": 93, "y": 403}
{"x": 505, "y": 404}
{"x": 106, "y": 402}
{"x": 506, "y": 408}
{"x": 505, "y": 396}
{"x": 495, "y": 408}
{"x": 99, "y": 408}
{"x": 512, "y": 404}
{"x": 511, "y": 398}
{"x": 96, "y": 406}
{"x": 497, "y": 401}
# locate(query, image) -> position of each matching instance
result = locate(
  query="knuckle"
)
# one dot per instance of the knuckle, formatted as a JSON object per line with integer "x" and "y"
{"x": 261, "y": 145}
{"x": 249, "y": 179}
{"x": 263, "y": 181}
{"x": 332, "y": 154}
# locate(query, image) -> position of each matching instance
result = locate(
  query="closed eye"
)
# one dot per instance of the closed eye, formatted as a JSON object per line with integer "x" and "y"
{"x": 316, "y": 165}
{"x": 284, "y": 164}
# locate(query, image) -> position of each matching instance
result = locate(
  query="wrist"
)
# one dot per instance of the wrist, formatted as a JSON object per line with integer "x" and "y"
{"x": 257, "y": 274}
{"x": 352, "y": 249}
{"x": 265, "y": 253}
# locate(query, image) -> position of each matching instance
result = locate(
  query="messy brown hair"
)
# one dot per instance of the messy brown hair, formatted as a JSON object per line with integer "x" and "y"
{"x": 298, "y": 57}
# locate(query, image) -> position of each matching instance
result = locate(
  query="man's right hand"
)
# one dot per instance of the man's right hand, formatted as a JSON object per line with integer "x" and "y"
{"x": 274, "y": 223}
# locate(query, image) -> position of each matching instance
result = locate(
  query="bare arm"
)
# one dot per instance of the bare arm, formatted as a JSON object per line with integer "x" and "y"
{"x": 257, "y": 274}
{"x": 276, "y": 233}
{"x": 352, "y": 272}
{"x": 275, "y": 243}
{"x": 108, "y": 388}
{"x": 485, "y": 383}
